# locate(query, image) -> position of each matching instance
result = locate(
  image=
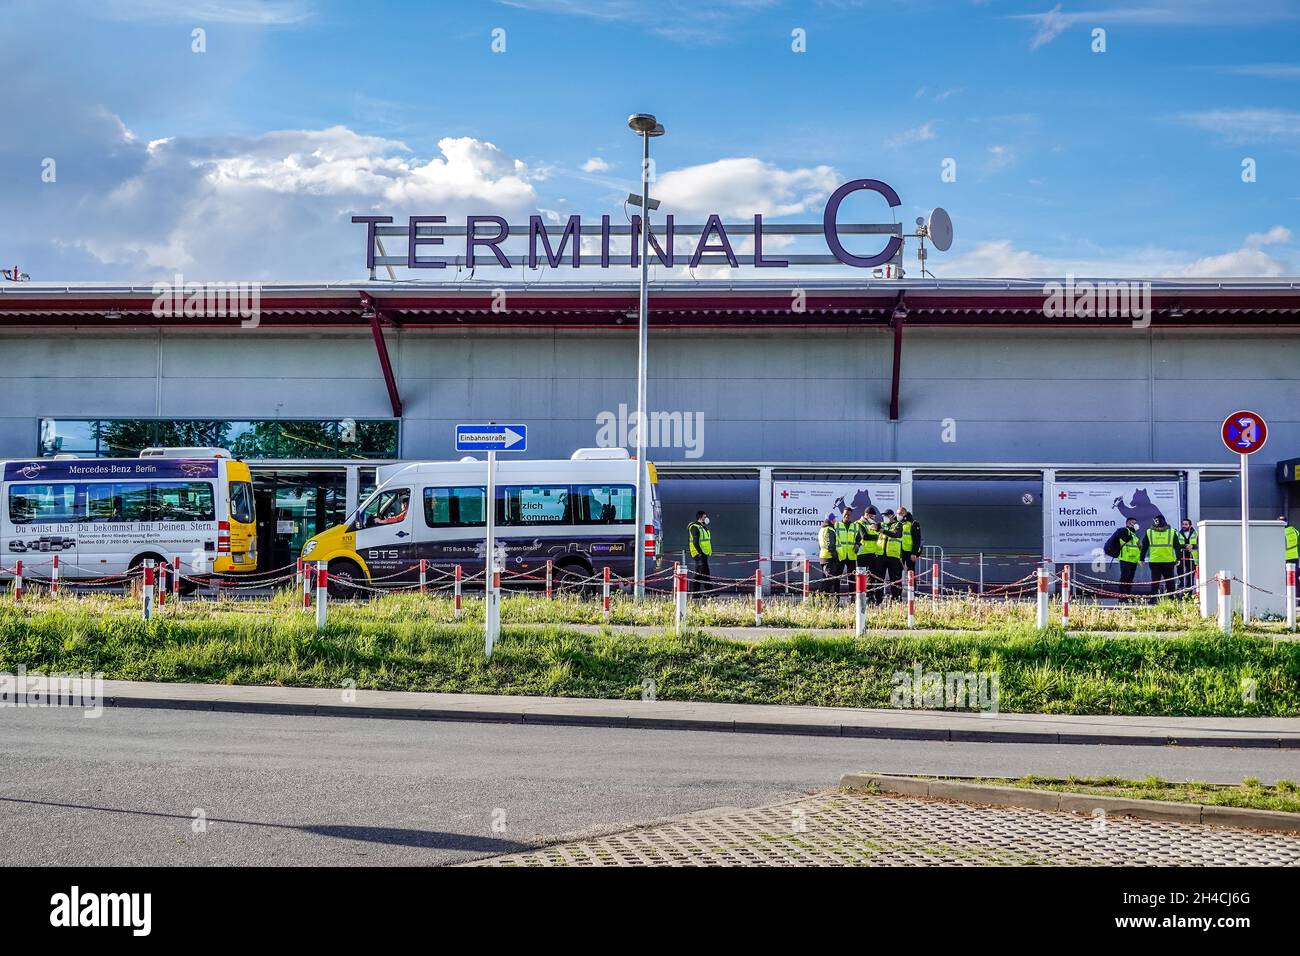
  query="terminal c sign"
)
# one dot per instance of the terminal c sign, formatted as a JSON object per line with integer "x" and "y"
{"x": 484, "y": 244}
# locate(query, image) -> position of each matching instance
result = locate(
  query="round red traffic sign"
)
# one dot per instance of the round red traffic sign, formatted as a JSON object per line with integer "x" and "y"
{"x": 1244, "y": 432}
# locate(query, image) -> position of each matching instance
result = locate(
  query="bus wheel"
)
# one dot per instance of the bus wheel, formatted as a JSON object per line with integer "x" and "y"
{"x": 343, "y": 576}
{"x": 574, "y": 578}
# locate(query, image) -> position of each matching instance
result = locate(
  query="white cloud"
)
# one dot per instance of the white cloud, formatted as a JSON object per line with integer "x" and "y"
{"x": 275, "y": 205}
{"x": 1247, "y": 125}
{"x": 595, "y": 165}
{"x": 201, "y": 12}
{"x": 908, "y": 137}
{"x": 1159, "y": 13}
{"x": 683, "y": 21}
{"x": 744, "y": 186}
{"x": 1002, "y": 259}
{"x": 1277, "y": 234}
{"x": 1000, "y": 157}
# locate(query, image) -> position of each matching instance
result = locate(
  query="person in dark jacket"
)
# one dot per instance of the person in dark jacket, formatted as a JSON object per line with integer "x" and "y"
{"x": 1188, "y": 540}
{"x": 828, "y": 556}
{"x": 1125, "y": 546}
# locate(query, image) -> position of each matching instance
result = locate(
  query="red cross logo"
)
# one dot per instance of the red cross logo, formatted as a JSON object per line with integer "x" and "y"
{"x": 1061, "y": 494}
{"x": 785, "y": 494}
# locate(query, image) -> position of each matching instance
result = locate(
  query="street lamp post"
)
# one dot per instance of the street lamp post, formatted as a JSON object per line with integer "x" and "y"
{"x": 645, "y": 126}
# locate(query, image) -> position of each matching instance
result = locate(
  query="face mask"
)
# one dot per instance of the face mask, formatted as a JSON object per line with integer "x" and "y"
{"x": 706, "y": 520}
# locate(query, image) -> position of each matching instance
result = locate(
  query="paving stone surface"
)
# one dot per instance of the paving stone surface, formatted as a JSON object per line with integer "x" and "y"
{"x": 839, "y": 828}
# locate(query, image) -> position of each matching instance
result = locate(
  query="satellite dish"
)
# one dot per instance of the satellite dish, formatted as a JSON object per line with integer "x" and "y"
{"x": 940, "y": 228}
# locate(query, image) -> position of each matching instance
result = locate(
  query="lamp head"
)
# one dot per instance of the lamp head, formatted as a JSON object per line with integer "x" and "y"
{"x": 643, "y": 123}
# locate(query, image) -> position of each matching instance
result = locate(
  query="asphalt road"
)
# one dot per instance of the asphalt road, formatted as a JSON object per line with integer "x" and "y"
{"x": 125, "y": 788}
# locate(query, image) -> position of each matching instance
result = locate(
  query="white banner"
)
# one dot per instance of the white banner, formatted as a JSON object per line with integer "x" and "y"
{"x": 800, "y": 507}
{"x": 1085, "y": 514}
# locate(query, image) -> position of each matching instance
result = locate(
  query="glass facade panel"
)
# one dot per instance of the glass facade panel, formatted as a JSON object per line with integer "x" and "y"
{"x": 249, "y": 439}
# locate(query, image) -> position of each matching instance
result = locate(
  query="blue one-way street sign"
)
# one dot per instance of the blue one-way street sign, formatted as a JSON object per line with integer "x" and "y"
{"x": 491, "y": 437}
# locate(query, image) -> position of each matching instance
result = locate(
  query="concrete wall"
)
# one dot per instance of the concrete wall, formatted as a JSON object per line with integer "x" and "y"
{"x": 1011, "y": 395}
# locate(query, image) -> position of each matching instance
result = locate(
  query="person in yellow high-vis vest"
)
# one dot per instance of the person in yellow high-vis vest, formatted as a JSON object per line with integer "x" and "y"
{"x": 701, "y": 547}
{"x": 828, "y": 551}
{"x": 845, "y": 551}
{"x": 890, "y": 543}
{"x": 1160, "y": 551}
{"x": 910, "y": 539}
{"x": 1292, "y": 538}
{"x": 1125, "y": 546}
{"x": 870, "y": 558}
{"x": 1188, "y": 542}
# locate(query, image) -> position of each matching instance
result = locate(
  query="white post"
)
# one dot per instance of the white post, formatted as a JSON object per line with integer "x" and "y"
{"x": 981, "y": 591}
{"x": 322, "y": 594}
{"x": 679, "y": 597}
{"x": 550, "y": 578}
{"x": 860, "y": 602}
{"x": 934, "y": 583}
{"x": 424, "y": 569}
{"x": 911, "y": 598}
{"x": 1225, "y": 602}
{"x": 1290, "y": 596}
{"x": 1245, "y": 540}
{"x": 490, "y": 556}
{"x": 806, "y": 589}
{"x": 758, "y": 597}
{"x": 1042, "y": 598}
{"x": 456, "y": 591}
{"x": 1065, "y": 597}
{"x": 604, "y": 590}
{"x": 492, "y": 598}
{"x": 147, "y": 591}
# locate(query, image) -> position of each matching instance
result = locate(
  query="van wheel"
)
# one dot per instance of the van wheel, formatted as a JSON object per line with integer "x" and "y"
{"x": 572, "y": 578}
{"x": 343, "y": 575}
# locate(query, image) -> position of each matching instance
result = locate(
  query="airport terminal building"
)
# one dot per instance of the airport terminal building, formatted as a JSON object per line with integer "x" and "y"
{"x": 973, "y": 399}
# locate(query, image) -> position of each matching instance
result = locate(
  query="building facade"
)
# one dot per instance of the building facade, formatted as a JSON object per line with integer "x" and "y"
{"x": 969, "y": 391}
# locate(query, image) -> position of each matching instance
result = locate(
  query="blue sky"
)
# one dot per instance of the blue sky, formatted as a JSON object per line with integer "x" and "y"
{"x": 245, "y": 160}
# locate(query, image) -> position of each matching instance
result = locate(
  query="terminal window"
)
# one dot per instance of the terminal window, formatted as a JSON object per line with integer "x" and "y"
{"x": 249, "y": 439}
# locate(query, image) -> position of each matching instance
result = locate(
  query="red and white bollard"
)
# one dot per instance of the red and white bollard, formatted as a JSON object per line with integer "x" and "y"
{"x": 176, "y": 578}
{"x": 18, "y": 583}
{"x": 54, "y": 578}
{"x": 162, "y": 583}
{"x": 1225, "y": 602}
{"x": 147, "y": 591}
{"x": 456, "y": 592}
{"x": 934, "y": 584}
{"x": 1042, "y": 598}
{"x": 679, "y": 597}
{"x": 424, "y": 575}
{"x": 758, "y": 597}
{"x": 550, "y": 579}
{"x": 322, "y": 594}
{"x": 307, "y": 573}
{"x": 1065, "y": 597}
{"x": 605, "y": 591}
{"x": 1290, "y": 596}
{"x": 806, "y": 570}
{"x": 860, "y": 602}
{"x": 911, "y": 598}
{"x": 297, "y": 574}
